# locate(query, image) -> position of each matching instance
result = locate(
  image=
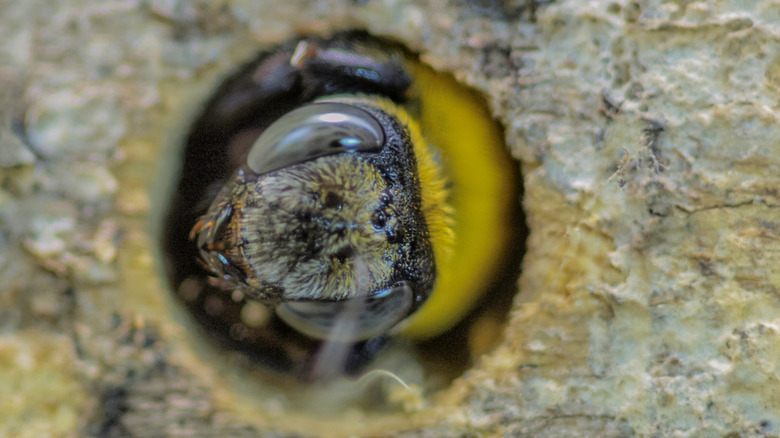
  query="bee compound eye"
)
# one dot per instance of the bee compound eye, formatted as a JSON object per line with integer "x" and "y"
{"x": 351, "y": 320}
{"x": 313, "y": 131}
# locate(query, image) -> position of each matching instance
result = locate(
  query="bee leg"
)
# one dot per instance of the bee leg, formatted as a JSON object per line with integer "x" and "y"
{"x": 363, "y": 353}
{"x": 352, "y": 62}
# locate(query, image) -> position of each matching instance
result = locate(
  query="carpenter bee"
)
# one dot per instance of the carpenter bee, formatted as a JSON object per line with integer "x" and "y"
{"x": 351, "y": 190}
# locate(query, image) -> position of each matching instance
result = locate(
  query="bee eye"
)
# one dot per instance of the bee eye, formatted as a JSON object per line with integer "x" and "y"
{"x": 313, "y": 131}
{"x": 379, "y": 219}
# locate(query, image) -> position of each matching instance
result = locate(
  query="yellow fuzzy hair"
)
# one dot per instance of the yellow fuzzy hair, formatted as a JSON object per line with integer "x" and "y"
{"x": 469, "y": 223}
{"x": 456, "y": 121}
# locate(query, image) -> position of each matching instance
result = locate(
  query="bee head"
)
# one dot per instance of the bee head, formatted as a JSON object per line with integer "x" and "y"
{"x": 325, "y": 224}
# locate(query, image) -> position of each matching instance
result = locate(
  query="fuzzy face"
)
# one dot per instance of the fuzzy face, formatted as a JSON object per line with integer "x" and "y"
{"x": 331, "y": 240}
{"x": 323, "y": 229}
{"x": 329, "y": 229}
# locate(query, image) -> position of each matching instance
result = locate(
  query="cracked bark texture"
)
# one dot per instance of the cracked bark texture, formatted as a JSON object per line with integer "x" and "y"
{"x": 649, "y": 138}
